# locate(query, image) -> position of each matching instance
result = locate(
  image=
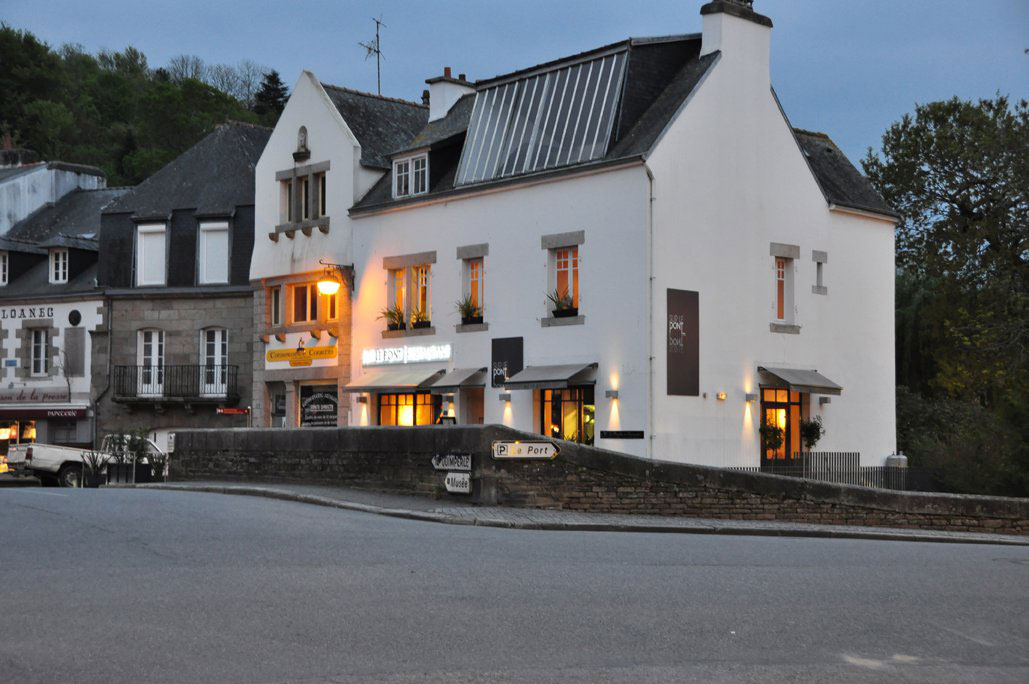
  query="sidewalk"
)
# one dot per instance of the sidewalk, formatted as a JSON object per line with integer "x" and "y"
{"x": 456, "y": 513}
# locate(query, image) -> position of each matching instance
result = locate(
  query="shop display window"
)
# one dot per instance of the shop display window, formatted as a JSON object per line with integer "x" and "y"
{"x": 568, "y": 414}
{"x": 418, "y": 408}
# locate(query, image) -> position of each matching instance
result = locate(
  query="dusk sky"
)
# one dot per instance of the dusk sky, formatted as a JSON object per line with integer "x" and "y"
{"x": 848, "y": 68}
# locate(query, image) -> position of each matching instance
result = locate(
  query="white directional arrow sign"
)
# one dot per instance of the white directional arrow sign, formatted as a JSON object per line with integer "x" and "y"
{"x": 458, "y": 483}
{"x": 521, "y": 450}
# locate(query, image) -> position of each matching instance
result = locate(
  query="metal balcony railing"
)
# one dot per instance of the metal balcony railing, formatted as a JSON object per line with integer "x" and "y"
{"x": 175, "y": 382}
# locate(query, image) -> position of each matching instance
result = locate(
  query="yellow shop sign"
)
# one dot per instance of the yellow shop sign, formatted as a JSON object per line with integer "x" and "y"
{"x": 301, "y": 356}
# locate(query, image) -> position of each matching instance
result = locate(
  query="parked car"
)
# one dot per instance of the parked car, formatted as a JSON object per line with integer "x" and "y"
{"x": 61, "y": 465}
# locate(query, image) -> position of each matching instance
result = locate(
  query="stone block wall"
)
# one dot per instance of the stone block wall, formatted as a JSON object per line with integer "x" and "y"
{"x": 581, "y": 478}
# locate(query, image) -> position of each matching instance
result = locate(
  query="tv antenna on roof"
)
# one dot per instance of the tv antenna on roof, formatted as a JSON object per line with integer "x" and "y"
{"x": 374, "y": 49}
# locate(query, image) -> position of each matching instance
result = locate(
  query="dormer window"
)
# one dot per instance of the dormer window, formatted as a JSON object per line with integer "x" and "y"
{"x": 411, "y": 176}
{"x": 58, "y": 266}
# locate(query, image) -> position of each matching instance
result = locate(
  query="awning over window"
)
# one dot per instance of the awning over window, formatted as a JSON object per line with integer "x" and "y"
{"x": 798, "y": 380}
{"x": 458, "y": 378}
{"x": 381, "y": 379}
{"x": 553, "y": 377}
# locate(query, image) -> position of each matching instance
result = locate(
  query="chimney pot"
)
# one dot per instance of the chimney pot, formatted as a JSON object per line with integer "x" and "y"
{"x": 425, "y": 97}
{"x": 461, "y": 77}
{"x": 446, "y": 72}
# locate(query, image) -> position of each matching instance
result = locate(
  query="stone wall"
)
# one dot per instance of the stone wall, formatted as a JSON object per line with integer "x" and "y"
{"x": 580, "y": 478}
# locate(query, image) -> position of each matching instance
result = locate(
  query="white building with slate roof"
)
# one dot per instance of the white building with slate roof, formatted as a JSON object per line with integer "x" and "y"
{"x": 630, "y": 247}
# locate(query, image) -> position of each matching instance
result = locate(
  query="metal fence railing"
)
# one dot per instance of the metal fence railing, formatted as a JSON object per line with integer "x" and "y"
{"x": 844, "y": 467}
{"x": 180, "y": 381}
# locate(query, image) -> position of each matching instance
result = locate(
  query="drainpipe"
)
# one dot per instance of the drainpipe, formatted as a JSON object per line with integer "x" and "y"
{"x": 109, "y": 320}
{"x": 650, "y": 314}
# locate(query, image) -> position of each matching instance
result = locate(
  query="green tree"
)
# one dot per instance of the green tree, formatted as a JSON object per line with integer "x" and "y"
{"x": 271, "y": 97}
{"x": 958, "y": 173}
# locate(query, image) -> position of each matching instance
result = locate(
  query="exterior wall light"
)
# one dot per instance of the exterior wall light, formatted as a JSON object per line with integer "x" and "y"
{"x": 822, "y": 401}
{"x": 750, "y": 397}
{"x": 721, "y": 396}
{"x": 362, "y": 399}
{"x": 332, "y": 278}
{"x": 611, "y": 394}
{"x": 505, "y": 396}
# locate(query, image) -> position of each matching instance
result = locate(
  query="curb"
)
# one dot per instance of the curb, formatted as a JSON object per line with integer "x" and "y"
{"x": 705, "y": 528}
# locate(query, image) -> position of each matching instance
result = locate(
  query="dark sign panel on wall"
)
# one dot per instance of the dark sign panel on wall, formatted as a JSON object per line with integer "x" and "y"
{"x": 319, "y": 405}
{"x": 507, "y": 359}
{"x": 683, "y": 332}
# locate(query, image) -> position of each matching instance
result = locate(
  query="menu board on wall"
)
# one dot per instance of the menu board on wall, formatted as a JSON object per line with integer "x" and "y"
{"x": 507, "y": 359}
{"x": 319, "y": 405}
{"x": 683, "y": 331}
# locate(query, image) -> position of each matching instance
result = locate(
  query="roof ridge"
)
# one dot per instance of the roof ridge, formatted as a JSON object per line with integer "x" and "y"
{"x": 237, "y": 122}
{"x": 380, "y": 97}
{"x": 814, "y": 134}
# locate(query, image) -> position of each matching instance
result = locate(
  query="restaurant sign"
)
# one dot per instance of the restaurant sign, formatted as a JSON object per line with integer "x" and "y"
{"x": 390, "y": 356}
{"x": 300, "y": 350}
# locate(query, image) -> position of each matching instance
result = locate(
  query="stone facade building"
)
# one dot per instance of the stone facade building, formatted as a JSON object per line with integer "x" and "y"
{"x": 175, "y": 256}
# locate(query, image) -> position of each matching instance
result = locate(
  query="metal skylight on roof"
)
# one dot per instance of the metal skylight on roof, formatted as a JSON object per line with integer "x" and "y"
{"x": 552, "y": 119}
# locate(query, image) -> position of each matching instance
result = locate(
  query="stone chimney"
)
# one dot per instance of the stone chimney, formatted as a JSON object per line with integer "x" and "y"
{"x": 742, "y": 35}
{"x": 444, "y": 91}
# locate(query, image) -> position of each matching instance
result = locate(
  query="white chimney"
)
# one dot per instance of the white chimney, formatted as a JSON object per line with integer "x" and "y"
{"x": 742, "y": 35}
{"x": 444, "y": 91}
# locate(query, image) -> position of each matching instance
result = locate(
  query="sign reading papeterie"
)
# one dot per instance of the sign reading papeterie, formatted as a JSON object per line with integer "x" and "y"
{"x": 452, "y": 461}
{"x": 458, "y": 483}
{"x": 538, "y": 450}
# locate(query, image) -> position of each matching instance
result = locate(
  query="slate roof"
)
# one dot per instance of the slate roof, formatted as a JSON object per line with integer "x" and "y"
{"x": 381, "y": 124}
{"x": 35, "y": 282}
{"x": 840, "y": 181}
{"x": 72, "y": 221}
{"x": 213, "y": 177}
{"x": 661, "y": 73}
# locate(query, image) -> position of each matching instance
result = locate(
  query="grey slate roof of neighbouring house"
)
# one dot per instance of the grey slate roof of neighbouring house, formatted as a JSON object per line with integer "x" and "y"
{"x": 840, "y": 181}
{"x": 381, "y": 124}
{"x": 661, "y": 73}
{"x": 213, "y": 177}
{"x": 72, "y": 221}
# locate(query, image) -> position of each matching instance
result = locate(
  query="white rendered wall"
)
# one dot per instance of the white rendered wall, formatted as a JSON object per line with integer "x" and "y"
{"x": 611, "y": 207}
{"x": 729, "y": 180}
{"x": 28, "y": 191}
{"x": 329, "y": 139}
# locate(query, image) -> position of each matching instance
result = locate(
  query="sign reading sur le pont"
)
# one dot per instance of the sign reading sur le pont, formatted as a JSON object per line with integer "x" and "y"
{"x": 525, "y": 450}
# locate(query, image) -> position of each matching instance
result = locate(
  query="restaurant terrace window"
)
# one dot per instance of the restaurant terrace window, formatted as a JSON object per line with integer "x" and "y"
{"x": 409, "y": 409}
{"x": 568, "y": 414}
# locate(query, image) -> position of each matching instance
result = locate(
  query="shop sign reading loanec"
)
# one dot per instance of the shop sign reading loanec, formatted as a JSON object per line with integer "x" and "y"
{"x": 389, "y": 356}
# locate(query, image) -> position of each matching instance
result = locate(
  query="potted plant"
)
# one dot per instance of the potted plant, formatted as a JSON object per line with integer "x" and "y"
{"x": 470, "y": 313}
{"x": 394, "y": 316}
{"x": 562, "y": 302}
{"x": 139, "y": 451}
{"x": 811, "y": 431}
{"x": 419, "y": 319}
{"x": 772, "y": 436}
{"x": 93, "y": 465}
{"x": 118, "y": 468}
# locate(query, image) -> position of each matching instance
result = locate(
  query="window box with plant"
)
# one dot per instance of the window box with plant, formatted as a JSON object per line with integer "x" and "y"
{"x": 394, "y": 316}
{"x": 471, "y": 313}
{"x": 563, "y": 305}
{"x": 420, "y": 319}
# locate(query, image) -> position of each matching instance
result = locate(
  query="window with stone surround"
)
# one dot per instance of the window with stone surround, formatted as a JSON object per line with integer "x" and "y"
{"x": 40, "y": 352}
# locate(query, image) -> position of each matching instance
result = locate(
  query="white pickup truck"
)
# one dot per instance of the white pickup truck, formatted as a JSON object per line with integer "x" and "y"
{"x": 63, "y": 465}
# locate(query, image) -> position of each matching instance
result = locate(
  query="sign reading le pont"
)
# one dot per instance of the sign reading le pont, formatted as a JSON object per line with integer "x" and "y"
{"x": 525, "y": 450}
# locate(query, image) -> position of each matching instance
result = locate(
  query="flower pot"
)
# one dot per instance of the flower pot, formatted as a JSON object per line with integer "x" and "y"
{"x": 566, "y": 313}
{"x": 92, "y": 479}
{"x": 394, "y": 326}
{"x": 422, "y": 324}
{"x": 471, "y": 320}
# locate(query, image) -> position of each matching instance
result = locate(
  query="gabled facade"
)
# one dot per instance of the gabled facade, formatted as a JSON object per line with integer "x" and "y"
{"x": 628, "y": 247}
{"x": 50, "y": 308}
{"x": 174, "y": 262}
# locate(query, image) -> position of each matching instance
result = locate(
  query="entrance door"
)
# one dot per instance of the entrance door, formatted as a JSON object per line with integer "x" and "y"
{"x": 568, "y": 414}
{"x": 151, "y": 363}
{"x": 782, "y": 409}
{"x": 214, "y": 351}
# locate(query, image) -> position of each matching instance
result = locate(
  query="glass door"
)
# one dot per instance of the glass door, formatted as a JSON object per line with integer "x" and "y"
{"x": 214, "y": 351}
{"x": 151, "y": 363}
{"x": 781, "y": 413}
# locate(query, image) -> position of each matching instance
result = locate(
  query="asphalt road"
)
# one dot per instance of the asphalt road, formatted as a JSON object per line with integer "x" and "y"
{"x": 162, "y": 586}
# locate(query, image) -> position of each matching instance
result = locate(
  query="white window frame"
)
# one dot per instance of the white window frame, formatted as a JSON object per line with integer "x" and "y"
{"x": 58, "y": 265}
{"x": 40, "y": 353}
{"x": 4, "y": 268}
{"x": 312, "y": 299}
{"x": 150, "y": 381}
{"x": 286, "y": 201}
{"x": 323, "y": 186}
{"x": 214, "y": 376}
{"x": 141, "y": 277}
{"x": 782, "y": 272}
{"x": 396, "y": 289}
{"x": 411, "y": 176}
{"x": 275, "y": 297}
{"x": 330, "y": 307}
{"x": 421, "y": 284}
{"x": 572, "y": 263}
{"x": 203, "y": 257}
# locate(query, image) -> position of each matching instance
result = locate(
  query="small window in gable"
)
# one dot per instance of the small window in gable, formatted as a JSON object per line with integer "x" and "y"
{"x": 411, "y": 176}
{"x": 58, "y": 265}
{"x": 213, "y": 266}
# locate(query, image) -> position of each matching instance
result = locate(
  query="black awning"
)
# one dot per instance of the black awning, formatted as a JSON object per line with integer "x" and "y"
{"x": 553, "y": 377}
{"x": 458, "y": 378}
{"x": 799, "y": 380}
